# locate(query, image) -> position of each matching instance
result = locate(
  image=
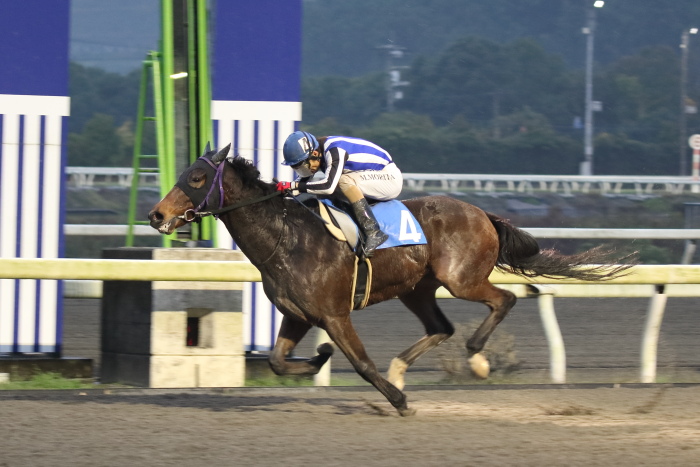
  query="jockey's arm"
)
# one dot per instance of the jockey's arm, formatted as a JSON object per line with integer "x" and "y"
{"x": 326, "y": 184}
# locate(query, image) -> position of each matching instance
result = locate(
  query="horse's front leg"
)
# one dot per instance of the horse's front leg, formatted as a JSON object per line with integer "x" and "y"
{"x": 343, "y": 333}
{"x": 291, "y": 332}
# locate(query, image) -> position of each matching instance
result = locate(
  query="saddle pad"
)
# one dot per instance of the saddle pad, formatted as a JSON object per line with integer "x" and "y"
{"x": 396, "y": 221}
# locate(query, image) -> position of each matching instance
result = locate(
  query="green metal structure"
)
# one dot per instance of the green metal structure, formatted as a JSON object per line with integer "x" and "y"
{"x": 178, "y": 76}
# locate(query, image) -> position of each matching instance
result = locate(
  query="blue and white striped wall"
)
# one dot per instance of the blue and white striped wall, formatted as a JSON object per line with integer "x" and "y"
{"x": 256, "y": 80}
{"x": 34, "y": 106}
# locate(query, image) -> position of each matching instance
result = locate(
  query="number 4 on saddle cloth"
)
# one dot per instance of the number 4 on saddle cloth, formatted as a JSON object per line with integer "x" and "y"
{"x": 394, "y": 219}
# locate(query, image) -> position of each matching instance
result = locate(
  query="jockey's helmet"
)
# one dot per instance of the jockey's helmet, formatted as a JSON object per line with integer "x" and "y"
{"x": 298, "y": 147}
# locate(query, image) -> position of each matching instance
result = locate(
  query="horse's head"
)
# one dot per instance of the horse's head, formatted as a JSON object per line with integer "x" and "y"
{"x": 199, "y": 187}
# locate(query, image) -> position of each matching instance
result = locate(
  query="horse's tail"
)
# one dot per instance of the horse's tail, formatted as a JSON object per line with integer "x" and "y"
{"x": 519, "y": 253}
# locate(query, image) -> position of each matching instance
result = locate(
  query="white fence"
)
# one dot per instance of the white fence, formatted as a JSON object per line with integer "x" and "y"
{"x": 566, "y": 184}
{"x": 657, "y": 291}
{"x": 655, "y": 282}
{"x": 456, "y": 183}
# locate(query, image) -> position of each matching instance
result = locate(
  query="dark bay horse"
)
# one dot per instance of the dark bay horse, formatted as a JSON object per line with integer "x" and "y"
{"x": 307, "y": 273}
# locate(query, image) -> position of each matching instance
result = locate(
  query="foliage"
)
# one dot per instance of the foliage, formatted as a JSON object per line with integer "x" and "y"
{"x": 47, "y": 381}
{"x": 103, "y": 114}
{"x": 482, "y": 80}
{"x": 349, "y": 47}
{"x": 616, "y": 154}
{"x": 276, "y": 381}
{"x": 496, "y": 89}
{"x": 486, "y": 107}
{"x": 95, "y": 91}
{"x": 101, "y": 144}
{"x": 354, "y": 101}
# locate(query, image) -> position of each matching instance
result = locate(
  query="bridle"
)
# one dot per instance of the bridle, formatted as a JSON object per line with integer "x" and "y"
{"x": 193, "y": 215}
{"x": 196, "y": 214}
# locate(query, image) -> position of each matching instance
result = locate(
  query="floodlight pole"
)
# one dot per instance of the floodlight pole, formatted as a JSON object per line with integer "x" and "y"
{"x": 683, "y": 125}
{"x": 587, "y": 164}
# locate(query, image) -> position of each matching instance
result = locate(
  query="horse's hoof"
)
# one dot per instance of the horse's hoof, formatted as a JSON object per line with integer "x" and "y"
{"x": 395, "y": 374}
{"x": 407, "y": 412}
{"x": 479, "y": 365}
{"x": 325, "y": 349}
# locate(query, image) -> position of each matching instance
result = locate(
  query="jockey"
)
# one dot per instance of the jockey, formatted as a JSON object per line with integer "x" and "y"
{"x": 352, "y": 166}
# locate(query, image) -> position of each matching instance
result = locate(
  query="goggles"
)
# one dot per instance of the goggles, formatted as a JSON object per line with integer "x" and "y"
{"x": 305, "y": 162}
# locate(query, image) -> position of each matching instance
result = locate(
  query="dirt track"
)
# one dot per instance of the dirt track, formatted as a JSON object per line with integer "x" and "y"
{"x": 332, "y": 427}
{"x": 484, "y": 426}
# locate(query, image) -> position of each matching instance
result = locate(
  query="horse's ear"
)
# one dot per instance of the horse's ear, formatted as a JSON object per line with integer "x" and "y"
{"x": 207, "y": 149}
{"x": 221, "y": 155}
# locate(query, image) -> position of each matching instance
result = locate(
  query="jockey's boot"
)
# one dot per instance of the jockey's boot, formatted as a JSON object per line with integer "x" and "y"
{"x": 369, "y": 226}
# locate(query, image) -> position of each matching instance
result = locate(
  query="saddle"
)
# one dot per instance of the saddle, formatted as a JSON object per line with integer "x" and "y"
{"x": 340, "y": 225}
{"x": 394, "y": 219}
{"x": 343, "y": 228}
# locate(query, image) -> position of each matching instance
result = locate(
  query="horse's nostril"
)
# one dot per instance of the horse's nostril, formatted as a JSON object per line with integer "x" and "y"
{"x": 155, "y": 217}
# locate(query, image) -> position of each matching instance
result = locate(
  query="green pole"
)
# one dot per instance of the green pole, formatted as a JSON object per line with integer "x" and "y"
{"x": 165, "y": 156}
{"x": 168, "y": 94}
{"x": 138, "y": 139}
{"x": 205, "y": 124}
{"x": 203, "y": 95}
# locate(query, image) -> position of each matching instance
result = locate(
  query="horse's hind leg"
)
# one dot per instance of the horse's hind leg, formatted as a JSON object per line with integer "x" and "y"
{"x": 343, "y": 333}
{"x": 291, "y": 332}
{"x": 500, "y": 302}
{"x": 421, "y": 301}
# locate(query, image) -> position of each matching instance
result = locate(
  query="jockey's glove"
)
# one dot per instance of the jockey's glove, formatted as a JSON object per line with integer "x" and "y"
{"x": 288, "y": 188}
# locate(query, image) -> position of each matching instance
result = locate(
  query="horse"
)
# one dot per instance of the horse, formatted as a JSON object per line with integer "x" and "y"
{"x": 308, "y": 274}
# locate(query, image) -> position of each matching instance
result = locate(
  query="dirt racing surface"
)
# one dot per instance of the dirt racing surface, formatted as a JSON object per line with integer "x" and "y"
{"x": 463, "y": 426}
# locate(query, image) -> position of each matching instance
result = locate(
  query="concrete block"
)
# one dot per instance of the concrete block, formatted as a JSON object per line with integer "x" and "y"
{"x": 177, "y": 371}
{"x": 145, "y": 326}
{"x": 220, "y": 333}
{"x": 125, "y": 368}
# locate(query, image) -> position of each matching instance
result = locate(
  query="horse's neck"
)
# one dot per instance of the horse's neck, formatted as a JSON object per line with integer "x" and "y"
{"x": 256, "y": 228}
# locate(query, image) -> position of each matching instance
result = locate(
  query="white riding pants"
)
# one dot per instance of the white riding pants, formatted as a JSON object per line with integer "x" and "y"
{"x": 381, "y": 185}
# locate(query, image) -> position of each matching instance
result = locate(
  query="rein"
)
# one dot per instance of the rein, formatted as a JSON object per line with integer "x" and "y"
{"x": 191, "y": 214}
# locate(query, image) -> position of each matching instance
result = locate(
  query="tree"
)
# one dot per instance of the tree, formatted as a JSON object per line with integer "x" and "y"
{"x": 347, "y": 100}
{"x": 639, "y": 94}
{"x": 94, "y": 91}
{"x": 100, "y": 144}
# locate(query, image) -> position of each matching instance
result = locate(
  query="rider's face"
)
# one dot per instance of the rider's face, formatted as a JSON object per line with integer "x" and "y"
{"x": 314, "y": 161}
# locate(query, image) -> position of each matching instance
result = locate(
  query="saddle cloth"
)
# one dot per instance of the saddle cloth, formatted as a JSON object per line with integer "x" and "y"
{"x": 394, "y": 219}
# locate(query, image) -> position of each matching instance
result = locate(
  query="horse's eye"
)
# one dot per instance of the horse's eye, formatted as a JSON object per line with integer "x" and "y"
{"x": 196, "y": 178}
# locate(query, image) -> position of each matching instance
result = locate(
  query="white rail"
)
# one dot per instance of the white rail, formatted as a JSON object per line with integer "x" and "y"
{"x": 457, "y": 183}
{"x": 566, "y": 184}
{"x": 121, "y": 176}
{"x": 656, "y": 282}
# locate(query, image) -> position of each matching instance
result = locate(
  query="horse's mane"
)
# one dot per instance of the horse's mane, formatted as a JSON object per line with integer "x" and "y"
{"x": 248, "y": 173}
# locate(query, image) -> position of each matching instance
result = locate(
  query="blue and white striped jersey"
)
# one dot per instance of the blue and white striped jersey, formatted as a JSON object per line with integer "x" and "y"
{"x": 343, "y": 154}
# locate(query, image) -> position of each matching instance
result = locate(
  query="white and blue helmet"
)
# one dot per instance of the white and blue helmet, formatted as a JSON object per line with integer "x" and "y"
{"x": 298, "y": 147}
